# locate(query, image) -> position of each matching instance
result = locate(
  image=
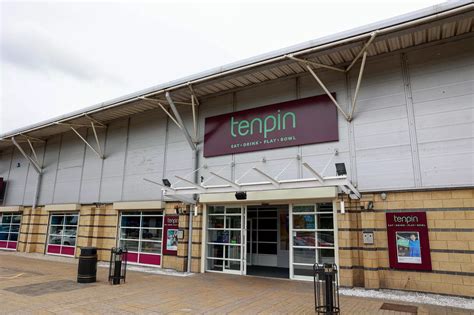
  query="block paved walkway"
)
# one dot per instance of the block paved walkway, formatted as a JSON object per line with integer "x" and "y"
{"x": 37, "y": 286}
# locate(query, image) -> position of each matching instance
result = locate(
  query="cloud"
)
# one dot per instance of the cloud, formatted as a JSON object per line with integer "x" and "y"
{"x": 30, "y": 47}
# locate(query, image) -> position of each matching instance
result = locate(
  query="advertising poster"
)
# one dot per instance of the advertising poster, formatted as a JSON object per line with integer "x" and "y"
{"x": 170, "y": 232}
{"x": 408, "y": 242}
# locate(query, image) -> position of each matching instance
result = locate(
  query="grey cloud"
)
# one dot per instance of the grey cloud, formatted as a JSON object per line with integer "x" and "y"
{"x": 31, "y": 48}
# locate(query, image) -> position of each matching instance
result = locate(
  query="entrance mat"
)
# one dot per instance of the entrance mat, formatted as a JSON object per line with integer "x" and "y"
{"x": 400, "y": 308}
{"x": 43, "y": 288}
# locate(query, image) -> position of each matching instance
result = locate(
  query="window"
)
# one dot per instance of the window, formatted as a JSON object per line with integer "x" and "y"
{"x": 141, "y": 232}
{"x": 313, "y": 237}
{"x": 9, "y": 230}
{"x": 62, "y": 234}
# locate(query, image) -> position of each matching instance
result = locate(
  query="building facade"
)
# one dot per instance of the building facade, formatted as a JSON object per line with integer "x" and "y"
{"x": 394, "y": 104}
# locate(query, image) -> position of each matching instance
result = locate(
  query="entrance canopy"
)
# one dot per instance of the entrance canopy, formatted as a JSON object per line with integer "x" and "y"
{"x": 270, "y": 183}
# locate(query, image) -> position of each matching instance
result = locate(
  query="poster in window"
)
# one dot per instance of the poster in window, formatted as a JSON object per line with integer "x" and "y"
{"x": 408, "y": 247}
{"x": 172, "y": 240}
{"x": 170, "y": 235}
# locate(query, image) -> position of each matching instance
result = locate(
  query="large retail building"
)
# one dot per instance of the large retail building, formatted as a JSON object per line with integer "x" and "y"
{"x": 356, "y": 148}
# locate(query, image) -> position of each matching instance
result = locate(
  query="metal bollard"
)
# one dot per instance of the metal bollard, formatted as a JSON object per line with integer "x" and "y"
{"x": 118, "y": 265}
{"x": 326, "y": 289}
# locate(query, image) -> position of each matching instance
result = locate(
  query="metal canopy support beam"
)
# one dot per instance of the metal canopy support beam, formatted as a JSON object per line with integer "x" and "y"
{"x": 163, "y": 108}
{"x": 316, "y": 64}
{"x": 95, "y": 121}
{"x": 98, "y": 152}
{"x": 191, "y": 183}
{"x": 359, "y": 79}
{"x": 230, "y": 182}
{"x": 180, "y": 121}
{"x": 194, "y": 102}
{"x": 274, "y": 182}
{"x": 312, "y": 171}
{"x": 33, "y": 150}
{"x": 35, "y": 165}
{"x": 327, "y": 91}
{"x": 363, "y": 50}
{"x": 161, "y": 185}
{"x": 353, "y": 189}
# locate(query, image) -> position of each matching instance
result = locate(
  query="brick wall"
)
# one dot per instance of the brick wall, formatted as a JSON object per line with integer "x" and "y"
{"x": 450, "y": 215}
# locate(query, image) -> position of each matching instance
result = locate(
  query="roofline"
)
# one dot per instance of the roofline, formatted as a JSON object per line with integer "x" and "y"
{"x": 273, "y": 56}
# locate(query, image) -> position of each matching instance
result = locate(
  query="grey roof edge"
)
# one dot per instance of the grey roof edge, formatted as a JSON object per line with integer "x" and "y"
{"x": 368, "y": 28}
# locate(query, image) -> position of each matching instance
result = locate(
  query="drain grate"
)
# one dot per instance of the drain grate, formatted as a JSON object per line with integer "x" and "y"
{"x": 45, "y": 288}
{"x": 400, "y": 308}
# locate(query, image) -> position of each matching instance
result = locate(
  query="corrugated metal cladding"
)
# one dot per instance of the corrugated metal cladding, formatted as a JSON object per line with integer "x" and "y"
{"x": 413, "y": 126}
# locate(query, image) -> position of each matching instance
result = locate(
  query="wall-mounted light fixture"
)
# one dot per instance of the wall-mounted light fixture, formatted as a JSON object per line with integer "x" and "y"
{"x": 241, "y": 195}
{"x": 166, "y": 182}
{"x": 341, "y": 169}
{"x": 383, "y": 196}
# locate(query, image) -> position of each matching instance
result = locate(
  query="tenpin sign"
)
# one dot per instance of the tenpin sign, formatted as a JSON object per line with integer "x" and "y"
{"x": 298, "y": 122}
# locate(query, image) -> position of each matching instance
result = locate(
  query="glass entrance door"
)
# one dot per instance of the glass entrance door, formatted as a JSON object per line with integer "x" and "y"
{"x": 226, "y": 230}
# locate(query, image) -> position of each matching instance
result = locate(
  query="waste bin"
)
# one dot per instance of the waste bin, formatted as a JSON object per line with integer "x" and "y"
{"x": 326, "y": 289}
{"x": 118, "y": 265}
{"x": 87, "y": 268}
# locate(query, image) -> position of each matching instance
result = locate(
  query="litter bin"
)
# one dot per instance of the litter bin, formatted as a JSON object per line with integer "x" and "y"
{"x": 326, "y": 289}
{"x": 118, "y": 265}
{"x": 87, "y": 268}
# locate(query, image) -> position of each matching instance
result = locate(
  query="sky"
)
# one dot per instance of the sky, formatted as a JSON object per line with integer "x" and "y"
{"x": 60, "y": 56}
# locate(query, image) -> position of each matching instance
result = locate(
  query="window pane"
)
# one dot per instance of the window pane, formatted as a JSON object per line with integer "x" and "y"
{"x": 215, "y": 264}
{"x": 156, "y": 222}
{"x": 326, "y": 256}
{"x": 131, "y": 246}
{"x": 129, "y": 233}
{"x": 305, "y": 208}
{"x": 131, "y": 221}
{"x": 303, "y": 270}
{"x": 216, "y": 209}
{"x": 5, "y": 228}
{"x": 216, "y": 222}
{"x": 326, "y": 239}
{"x": 270, "y": 249}
{"x": 267, "y": 214}
{"x": 303, "y": 222}
{"x": 267, "y": 236}
{"x": 13, "y": 236}
{"x": 55, "y": 229}
{"x": 233, "y": 222}
{"x": 6, "y": 219}
{"x": 267, "y": 224}
{"x": 232, "y": 252}
{"x": 233, "y": 210}
{"x": 71, "y": 220}
{"x": 152, "y": 213}
{"x": 3, "y": 236}
{"x": 324, "y": 207}
{"x": 304, "y": 256}
{"x": 14, "y": 228}
{"x": 325, "y": 221}
{"x": 304, "y": 239}
{"x": 16, "y": 219}
{"x": 70, "y": 232}
{"x": 56, "y": 240}
{"x": 218, "y": 236}
{"x": 215, "y": 251}
{"x": 69, "y": 240}
{"x": 232, "y": 265}
{"x": 151, "y": 234}
{"x": 57, "y": 219}
{"x": 151, "y": 247}
{"x": 251, "y": 214}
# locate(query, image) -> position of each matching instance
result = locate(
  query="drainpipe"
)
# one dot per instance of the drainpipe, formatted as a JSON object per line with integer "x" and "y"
{"x": 195, "y": 197}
